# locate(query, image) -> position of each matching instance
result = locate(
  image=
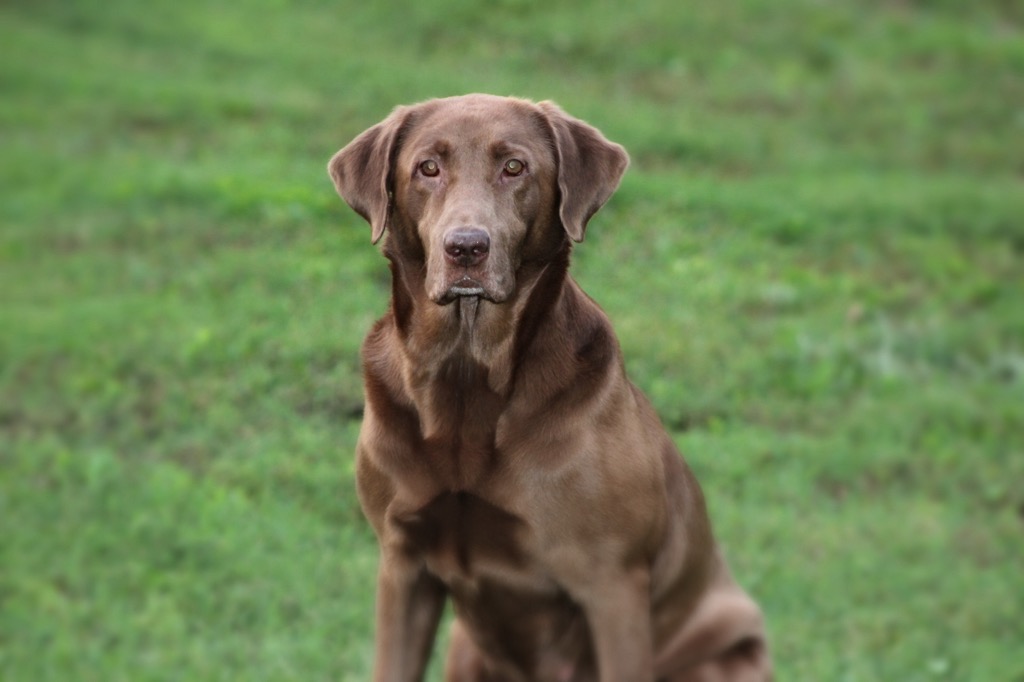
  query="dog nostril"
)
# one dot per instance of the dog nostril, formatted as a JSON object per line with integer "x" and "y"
{"x": 467, "y": 246}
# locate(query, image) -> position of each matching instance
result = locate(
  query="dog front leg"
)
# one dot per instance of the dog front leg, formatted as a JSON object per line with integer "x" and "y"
{"x": 409, "y": 605}
{"x": 619, "y": 614}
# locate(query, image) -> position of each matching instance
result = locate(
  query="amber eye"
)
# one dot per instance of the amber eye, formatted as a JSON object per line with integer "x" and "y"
{"x": 514, "y": 167}
{"x": 430, "y": 168}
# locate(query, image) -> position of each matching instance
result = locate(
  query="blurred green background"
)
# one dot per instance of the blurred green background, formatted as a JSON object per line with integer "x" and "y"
{"x": 814, "y": 266}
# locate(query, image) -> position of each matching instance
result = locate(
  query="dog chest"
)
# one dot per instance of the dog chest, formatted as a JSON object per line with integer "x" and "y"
{"x": 463, "y": 538}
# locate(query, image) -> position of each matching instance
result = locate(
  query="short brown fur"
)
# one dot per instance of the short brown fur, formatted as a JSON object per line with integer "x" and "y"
{"x": 505, "y": 460}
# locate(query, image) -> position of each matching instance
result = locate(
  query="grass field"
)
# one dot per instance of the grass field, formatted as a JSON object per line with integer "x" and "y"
{"x": 815, "y": 266}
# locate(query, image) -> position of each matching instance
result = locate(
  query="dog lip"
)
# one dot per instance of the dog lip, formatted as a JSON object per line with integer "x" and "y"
{"x": 463, "y": 287}
{"x": 461, "y": 290}
{"x": 466, "y": 291}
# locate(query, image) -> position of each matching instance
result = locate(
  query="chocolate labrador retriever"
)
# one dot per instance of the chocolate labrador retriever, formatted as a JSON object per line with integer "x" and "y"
{"x": 505, "y": 460}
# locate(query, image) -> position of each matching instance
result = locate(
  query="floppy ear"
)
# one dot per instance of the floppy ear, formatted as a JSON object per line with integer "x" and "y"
{"x": 362, "y": 171}
{"x": 589, "y": 168}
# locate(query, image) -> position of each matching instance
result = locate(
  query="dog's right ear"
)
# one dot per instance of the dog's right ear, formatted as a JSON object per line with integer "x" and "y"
{"x": 362, "y": 171}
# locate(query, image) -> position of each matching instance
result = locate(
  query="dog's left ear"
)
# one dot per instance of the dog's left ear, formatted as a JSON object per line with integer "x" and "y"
{"x": 362, "y": 171}
{"x": 589, "y": 168}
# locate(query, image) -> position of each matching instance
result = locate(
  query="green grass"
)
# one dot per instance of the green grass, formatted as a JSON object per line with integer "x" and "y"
{"x": 815, "y": 266}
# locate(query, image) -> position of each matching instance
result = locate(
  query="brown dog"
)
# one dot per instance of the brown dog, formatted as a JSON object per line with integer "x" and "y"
{"x": 505, "y": 460}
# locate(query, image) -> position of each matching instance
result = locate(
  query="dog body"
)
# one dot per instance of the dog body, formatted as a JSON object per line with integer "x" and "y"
{"x": 505, "y": 460}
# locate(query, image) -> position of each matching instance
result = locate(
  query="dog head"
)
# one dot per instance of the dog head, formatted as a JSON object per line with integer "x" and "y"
{"x": 477, "y": 185}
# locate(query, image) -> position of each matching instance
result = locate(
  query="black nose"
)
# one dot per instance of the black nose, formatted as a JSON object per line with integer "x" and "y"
{"x": 467, "y": 246}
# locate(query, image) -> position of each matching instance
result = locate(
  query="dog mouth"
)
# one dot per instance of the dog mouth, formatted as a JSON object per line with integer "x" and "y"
{"x": 465, "y": 283}
{"x": 464, "y": 287}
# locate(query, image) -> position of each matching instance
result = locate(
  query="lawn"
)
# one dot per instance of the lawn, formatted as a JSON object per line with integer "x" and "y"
{"x": 815, "y": 266}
